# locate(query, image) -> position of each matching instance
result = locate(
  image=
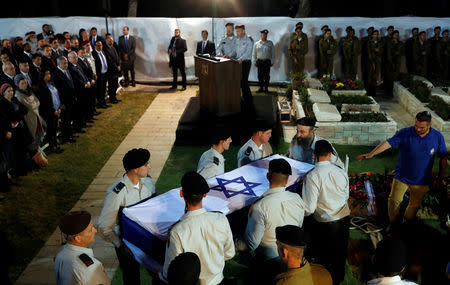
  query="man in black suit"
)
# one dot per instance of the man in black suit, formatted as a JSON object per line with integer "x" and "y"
{"x": 101, "y": 65}
{"x": 35, "y": 67}
{"x": 205, "y": 46}
{"x": 87, "y": 70}
{"x": 113, "y": 68}
{"x": 82, "y": 85}
{"x": 9, "y": 71}
{"x": 66, "y": 89}
{"x": 176, "y": 50}
{"x": 46, "y": 31}
{"x": 48, "y": 63}
{"x": 94, "y": 37}
{"x": 127, "y": 48}
{"x": 54, "y": 42}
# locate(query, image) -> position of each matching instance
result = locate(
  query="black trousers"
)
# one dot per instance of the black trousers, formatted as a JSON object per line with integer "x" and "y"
{"x": 66, "y": 120}
{"x": 175, "y": 68}
{"x": 101, "y": 89}
{"x": 246, "y": 93}
{"x": 263, "y": 72}
{"x": 80, "y": 109}
{"x": 129, "y": 69}
{"x": 113, "y": 84}
{"x": 91, "y": 99}
{"x": 52, "y": 126}
{"x": 329, "y": 243}
{"x": 130, "y": 269}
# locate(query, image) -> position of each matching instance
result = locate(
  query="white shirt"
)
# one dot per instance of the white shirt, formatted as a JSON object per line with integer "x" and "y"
{"x": 71, "y": 270}
{"x": 326, "y": 192}
{"x": 276, "y": 207}
{"x": 396, "y": 280}
{"x": 103, "y": 61}
{"x": 121, "y": 194}
{"x": 207, "y": 234}
{"x": 211, "y": 164}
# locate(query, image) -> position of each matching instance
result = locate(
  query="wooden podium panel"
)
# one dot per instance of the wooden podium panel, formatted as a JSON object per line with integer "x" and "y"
{"x": 220, "y": 85}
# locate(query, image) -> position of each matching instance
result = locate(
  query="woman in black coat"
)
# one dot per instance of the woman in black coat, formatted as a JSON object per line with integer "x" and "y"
{"x": 14, "y": 136}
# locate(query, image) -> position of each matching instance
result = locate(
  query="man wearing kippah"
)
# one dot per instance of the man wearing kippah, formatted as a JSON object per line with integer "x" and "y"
{"x": 275, "y": 207}
{"x": 390, "y": 261}
{"x": 257, "y": 146}
{"x": 134, "y": 186}
{"x": 325, "y": 194}
{"x": 418, "y": 146}
{"x": 212, "y": 162}
{"x": 75, "y": 263}
{"x": 292, "y": 242}
{"x": 207, "y": 234}
{"x": 303, "y": 143}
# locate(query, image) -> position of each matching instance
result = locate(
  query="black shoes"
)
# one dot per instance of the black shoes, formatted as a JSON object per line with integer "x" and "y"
{"x": 184, "y": 88}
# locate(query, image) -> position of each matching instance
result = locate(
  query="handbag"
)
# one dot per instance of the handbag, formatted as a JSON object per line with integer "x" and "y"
{"x": 40, "y": 158}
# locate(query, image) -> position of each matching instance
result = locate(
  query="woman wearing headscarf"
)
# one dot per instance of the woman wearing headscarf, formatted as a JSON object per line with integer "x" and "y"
{"x": 49, "y": 108}
{"x": 14, "y": 136}
{"x": 32, "y": 119}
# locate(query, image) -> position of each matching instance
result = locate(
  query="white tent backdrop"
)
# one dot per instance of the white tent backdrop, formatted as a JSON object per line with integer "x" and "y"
{"x": 153, "y": 36}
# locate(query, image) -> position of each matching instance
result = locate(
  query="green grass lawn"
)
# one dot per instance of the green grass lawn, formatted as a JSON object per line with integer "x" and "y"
{"x": 30, "y": 211}
{"x": 185, "y": 158}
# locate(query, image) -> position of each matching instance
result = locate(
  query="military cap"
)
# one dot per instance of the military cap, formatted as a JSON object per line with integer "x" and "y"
{"x": 264, "y": 31}
{"x": 242, "y": 26}
{"x": 229, "y": 24}
{"x": 184, "y": 269}
{"x": 299, "y": 24}
{"x": 74, "y": 222}
{"x": 135, "y": 158}
{"x": 306, "y": 121}
{"x": 40, "y": 37}
{"x": 349, "y": 28}
{"x": 281, "y": 166}
{"x": 261, "y": 125}
{"x": 324, "y": 27}
{"x": 390, "y": 256}
{"x": 292, "y": 235}
{"x": 193, "y": 183}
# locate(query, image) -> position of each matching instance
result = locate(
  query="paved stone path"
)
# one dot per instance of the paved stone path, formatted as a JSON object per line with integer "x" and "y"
{"x": 155, "y": 131}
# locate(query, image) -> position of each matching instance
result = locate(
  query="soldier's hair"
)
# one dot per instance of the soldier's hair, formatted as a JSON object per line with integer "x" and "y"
{"x": 205, "y": 31}
{"x": 375, "y": 31}
{"x": 370, "y": 28}
{"x": 297, "y": 252}
{"x": 327, "y": 30}
{"x": 322, "y": 148}
{"x": 323, "y": 27}
{"x": 445, "y": 31}
{"x": 424, "y": 116}
{"x": 414, "y": 29}
{"x": 422, "y": 32}
{"x": 390, "y": 27}
{"x": 437, "y": 28}
{"x": 395, "y": 32}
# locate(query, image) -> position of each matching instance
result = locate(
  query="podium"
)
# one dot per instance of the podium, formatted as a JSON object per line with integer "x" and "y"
{"x": 220, "y": 85}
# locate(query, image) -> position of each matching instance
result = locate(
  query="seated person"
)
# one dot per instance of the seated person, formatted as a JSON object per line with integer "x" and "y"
{"x": 303, "y": 143}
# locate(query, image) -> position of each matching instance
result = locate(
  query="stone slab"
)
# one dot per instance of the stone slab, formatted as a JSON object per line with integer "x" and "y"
{"x": 318, "y": 96}
{"x": 424, "y": 80}
{"x": 313, "y": 83}
{"x": 441, "y": 94}
{"x": 326, "y": 113}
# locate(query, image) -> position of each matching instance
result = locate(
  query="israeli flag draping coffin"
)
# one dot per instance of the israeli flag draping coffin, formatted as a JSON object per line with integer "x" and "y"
{"x": 229, "y": 192}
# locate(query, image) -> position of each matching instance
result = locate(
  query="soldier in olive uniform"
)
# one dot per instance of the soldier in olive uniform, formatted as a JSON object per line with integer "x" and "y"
{"x": 364, "y": 42}
{"x": 432, "y": 63}
{"x": 374, "y": 52}
{"x": 327, "y": 50}
{"x": 384, "y": 42}
{"x": 316, "y": 47}
{"x": 298, "y": 48}
{"x": 351, "y": 49}
{"x": 394, "y": 52}
{"x": 420, "y": 55}
{"x": 409, "y": 50}
{"x": 442, "y": 56}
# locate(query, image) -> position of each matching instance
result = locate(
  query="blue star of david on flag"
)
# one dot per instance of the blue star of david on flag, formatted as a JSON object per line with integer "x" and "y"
{"x": 248, "y": 190}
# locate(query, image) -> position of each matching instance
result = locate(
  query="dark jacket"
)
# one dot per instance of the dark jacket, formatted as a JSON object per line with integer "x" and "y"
{"x": 65, "y": 88}
{"x": 78, "y": 77}
{"x": 5, "y": 79}
{"x": 99, "y": 38}
{"x": 180, "y": 49}
{"x": 210, "y": 48}
{"x": 48, "y": 64}
{"x": 86, "y": 67}
{"x": 46, "y": 108}
{"x": 9, "y": 115}
{"x": 131, "y": 47}
{"x": 113, "y": 60}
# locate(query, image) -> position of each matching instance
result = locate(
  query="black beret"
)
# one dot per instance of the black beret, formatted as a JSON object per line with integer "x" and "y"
{"x": 306, "y": 121}
{"x": 264, "y": 32}
{"x": 299, "y": 24}
{"x": 261, "y": 125}
{"x": 280, "y": 165}
{"x": 390, "y": 256}
{"x": 193, "y": 183}
{"x": 438, "y": 27}
{"x": 40, "y": 37}
{"x": 74, "y": 222}
{"x": 370, "y": 28}
{"x": 349, "y": 28}
{"x": 390, "y": 27}
{"x": 229, "y": 24}
{"x": 135, "y": 158}
{"x": 184, "y": 269}
{"x": 324, "y": 27}
{"x": 291, "y": 235}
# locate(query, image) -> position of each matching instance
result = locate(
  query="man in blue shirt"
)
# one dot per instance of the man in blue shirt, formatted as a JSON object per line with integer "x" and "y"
{"x": 418, "y": 145}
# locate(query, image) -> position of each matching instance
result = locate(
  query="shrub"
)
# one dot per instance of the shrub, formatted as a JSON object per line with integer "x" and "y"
{"x": 440, "y": 107}
{"x": 349, "y": 99}
{"x": 420, "y": 90}
{"x": 306, "y": 103}
{"x": 364, "y": 117}
{"x": 288, "y": 92}
{"x": 297, "y": 76}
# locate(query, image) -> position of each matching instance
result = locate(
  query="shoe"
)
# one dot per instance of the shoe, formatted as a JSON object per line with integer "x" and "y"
{"x": 81, "y": 131}
{"x": 96, "y": 113}
{"x": 113, "y": 101}
{"x": 173, "y": 87}
{"x": 266, "y": 90}
{"x": 101, "y": 106}
{"x": 69, "y": 140}
{"x": 108, "y": 106}
{"x": 260, "y": 90}
{"x": 133, "y": 84}
{"x": 75, "y": 136}
{"x": 89, "y": 121}
{"x": 184, "y": 88}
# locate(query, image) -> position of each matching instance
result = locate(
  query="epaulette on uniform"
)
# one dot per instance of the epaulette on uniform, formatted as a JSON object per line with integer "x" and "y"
{"x": 216, "y": 160}
{"x": 248, "y": 151}
{"x": 86, "y": 259}
{"x": 119, "y": 187}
